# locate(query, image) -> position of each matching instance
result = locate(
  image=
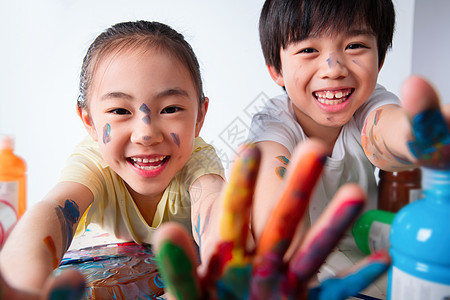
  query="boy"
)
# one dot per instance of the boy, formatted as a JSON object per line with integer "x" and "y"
{"x": 327, "y": 55}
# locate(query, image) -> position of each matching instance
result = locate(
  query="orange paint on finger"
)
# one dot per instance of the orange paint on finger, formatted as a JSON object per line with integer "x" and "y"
{"x": 48, "y": 241}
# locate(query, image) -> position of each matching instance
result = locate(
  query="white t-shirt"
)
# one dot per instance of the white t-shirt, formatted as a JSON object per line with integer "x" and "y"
{"x": 348, "y": 163}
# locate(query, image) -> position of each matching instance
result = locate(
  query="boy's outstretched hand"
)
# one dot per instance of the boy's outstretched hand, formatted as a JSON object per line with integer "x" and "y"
{"x": 430, "y": 143}
{"x": 235, "y": 272}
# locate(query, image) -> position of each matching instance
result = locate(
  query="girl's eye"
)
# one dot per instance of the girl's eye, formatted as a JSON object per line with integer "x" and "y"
{"x": 356, "y": 46}
{"x": 171, "y": 110}
{"x": 119, "y": 111}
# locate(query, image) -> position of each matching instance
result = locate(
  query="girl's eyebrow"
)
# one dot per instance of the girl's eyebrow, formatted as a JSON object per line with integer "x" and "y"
{"x": 168, "y": 92}
{"x": 172, "y": 92}
{"x": 112, "y": 95}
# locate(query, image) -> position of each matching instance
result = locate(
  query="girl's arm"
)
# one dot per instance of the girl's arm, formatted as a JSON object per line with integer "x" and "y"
{"x": 205, "y": 212}
{"x": 42, "y": 236}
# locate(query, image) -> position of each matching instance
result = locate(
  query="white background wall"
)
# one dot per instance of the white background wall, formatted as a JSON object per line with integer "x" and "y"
{"x": 43, "y": 43}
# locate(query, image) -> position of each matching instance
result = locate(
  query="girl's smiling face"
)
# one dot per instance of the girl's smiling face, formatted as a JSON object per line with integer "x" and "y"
{"x": 143, "y": 111}
{"x": 328, "y": 77}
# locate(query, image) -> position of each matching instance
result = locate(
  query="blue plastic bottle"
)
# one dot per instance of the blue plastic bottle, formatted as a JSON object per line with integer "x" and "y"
{"x": 420, "y": 243}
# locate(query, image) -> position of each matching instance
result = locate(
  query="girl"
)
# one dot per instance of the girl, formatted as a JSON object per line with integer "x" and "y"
{"x": 143, "y": 163}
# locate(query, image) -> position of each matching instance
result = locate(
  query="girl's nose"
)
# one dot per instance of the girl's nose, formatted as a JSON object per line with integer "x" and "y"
{"x": 333, "y": 68}
{"x": 146, "y": 131}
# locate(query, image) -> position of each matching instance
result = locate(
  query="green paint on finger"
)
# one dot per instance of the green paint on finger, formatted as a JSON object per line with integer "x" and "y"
{"x": 177, "y": 271}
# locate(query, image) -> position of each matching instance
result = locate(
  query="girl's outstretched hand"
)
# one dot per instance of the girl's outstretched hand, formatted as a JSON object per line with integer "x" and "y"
{"x": 430, "y": 143}
{"x": 236, "y": 272}
{"x": 69, "y": 285}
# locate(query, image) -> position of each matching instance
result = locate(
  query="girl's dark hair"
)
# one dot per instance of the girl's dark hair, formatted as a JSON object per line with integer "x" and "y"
{"x": 283, "y": 22}
{"x": 127, "y": 35}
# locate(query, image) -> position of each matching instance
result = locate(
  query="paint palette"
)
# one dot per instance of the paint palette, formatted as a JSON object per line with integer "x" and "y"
{"x": 116, "y": 271}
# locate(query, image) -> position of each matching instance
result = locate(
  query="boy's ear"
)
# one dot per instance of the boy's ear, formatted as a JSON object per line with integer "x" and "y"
{"x": 201, "y": 116}
{"x": 276, "y": 76}
{"x": 87, "y": 122}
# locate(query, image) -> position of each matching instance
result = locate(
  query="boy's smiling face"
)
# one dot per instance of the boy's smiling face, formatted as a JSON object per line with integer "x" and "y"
{"x": 328, "y": 77}
{"x": 143, "y": 110}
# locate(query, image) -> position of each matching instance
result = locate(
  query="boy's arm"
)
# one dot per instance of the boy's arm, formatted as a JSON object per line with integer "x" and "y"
{"x": 42, "y": 236}
{"x": 385, "y": 136}
{"x": 274, "y": 160}
{"x": 396, "y": 138}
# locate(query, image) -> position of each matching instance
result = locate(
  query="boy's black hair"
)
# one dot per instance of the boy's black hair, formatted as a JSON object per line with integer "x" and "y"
{"x": 283, "y": 22}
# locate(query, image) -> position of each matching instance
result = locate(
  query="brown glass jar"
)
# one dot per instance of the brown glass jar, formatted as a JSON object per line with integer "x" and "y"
{"x": 397, "y": 189}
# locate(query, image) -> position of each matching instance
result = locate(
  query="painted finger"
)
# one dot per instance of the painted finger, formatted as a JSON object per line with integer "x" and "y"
{"x": 301, "y": 177}
{"x": 431, "y": 144}
{"x": 237, "y": 201}
{"x": 231, "y": 266}
{"x": 69, "y": 285}
{"x": 324, "y": 236}
{"x": 175, "y": 255}
{"x": 360, "y": 277}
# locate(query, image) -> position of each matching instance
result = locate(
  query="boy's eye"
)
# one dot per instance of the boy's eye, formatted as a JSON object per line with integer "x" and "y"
{"x": 307, "y": 50}
{"x": 355, "y": 46}
{"x": 171, "y": 110}
{"x": 119, "y": 111}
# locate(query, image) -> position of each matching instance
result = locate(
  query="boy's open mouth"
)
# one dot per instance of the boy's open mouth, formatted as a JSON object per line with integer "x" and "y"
{"x": 148, "y": 163}
{"x": 333, "y": 97}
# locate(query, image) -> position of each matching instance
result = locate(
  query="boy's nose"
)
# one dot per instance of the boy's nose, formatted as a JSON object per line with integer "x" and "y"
{"x": 333, "y": 68}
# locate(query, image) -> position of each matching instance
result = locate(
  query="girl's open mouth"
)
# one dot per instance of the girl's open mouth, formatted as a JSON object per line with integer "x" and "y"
{"x": 333, "y": 97}
{"x": 148, "y": 164}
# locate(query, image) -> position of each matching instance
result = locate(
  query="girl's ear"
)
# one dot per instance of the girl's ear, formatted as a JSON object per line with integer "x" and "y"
{"x": 201, "y": 116}
{"x": 276, "y": 76}
{"x": 87, "y": 122}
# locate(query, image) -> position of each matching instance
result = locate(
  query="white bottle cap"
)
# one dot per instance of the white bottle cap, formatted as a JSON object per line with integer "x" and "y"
{"x": 6, "y": 142}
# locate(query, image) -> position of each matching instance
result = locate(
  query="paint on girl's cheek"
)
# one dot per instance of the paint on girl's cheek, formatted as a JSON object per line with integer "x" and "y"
{"x": 144, "y": 108}
{"x": 68, "y": 216}
{"x": 176, "y": 139}
{"x": 48, "y": 241}
{"x": 106, "y": 133}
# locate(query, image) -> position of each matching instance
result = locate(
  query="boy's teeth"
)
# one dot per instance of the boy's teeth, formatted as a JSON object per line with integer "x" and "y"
{"x": 332, "y": 97}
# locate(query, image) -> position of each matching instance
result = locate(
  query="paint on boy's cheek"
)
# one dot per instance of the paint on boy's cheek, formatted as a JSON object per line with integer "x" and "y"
{"x": 68, "y": 216}
{"x": 176, "y": 139}
{"x": 106, "y": 133}
{"x": 144, "y": 108}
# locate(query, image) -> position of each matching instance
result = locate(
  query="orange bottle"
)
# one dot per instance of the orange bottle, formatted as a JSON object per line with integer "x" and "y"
{"x": 12, "y": 177}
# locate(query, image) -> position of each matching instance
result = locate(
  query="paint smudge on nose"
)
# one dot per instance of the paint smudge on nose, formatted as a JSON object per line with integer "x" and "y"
{"x": 146, "y": 137}
{"x": 332, "y": 61}
{"x": 106, "y": 133}
{"x": 176, "y": 138}
{"x": 144, "y": 108}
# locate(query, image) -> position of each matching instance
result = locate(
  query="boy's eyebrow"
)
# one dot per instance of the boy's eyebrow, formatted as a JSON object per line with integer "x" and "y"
{"x": 355, "y": 32}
